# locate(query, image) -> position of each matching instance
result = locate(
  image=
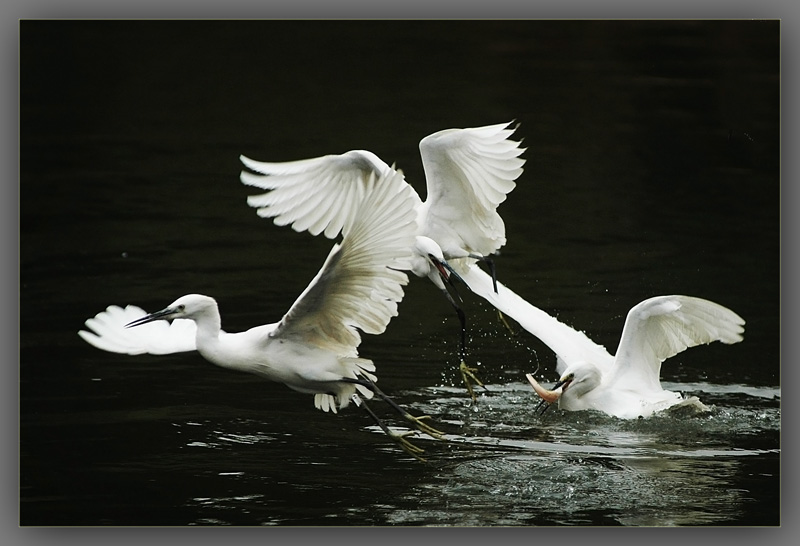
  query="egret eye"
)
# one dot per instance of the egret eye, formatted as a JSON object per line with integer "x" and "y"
{"x": 181, "y": 307}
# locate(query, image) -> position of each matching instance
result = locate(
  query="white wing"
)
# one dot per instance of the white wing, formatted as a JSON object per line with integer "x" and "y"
{"x": 108, "y": 333}
{"x": 313, "y": 195}
{"x": 661, "y": 327}
{"x": 469, "y": 172}
{"x": 569, "y": 344}
{"x": 358, "y": 287}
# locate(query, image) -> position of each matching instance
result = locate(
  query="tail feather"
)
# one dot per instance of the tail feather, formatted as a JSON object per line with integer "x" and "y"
{"x": 355, "y": 369}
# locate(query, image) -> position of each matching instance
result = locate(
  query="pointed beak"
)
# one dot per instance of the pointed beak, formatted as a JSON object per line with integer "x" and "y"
{"x": 446, "y": 270}
{"x": 164, "y": 314}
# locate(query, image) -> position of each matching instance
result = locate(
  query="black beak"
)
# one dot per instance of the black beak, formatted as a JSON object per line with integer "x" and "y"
{"x": 543, "y": 404}
{"x": 158, "y": 315}
{"x": 541, "y": 407}
{"x": 559, "y": 383}
{"x": 446, "y": 270}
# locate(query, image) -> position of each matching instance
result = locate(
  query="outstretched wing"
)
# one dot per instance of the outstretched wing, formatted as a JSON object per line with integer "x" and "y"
{"x": 160, "y": 337}
{"x": 313, "y": 195}
{"x": 469, "y": 172}
{"x": 568, "y": 344}
{"x": 661, "y": 327}
{"x": 359, "y": 285}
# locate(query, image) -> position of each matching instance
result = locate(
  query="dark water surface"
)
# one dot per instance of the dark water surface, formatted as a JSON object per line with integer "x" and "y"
{"x": 652, "y": 168}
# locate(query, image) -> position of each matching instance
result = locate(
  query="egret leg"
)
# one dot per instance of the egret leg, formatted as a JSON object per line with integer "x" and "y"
{"x": 468, "y": 374}
{"x": 462, "y": 319}
{"x": 490, "y": 262}
{"x": 398, "y": 438}
{"x": 502, "y": 318}
{"x": 418, "y": 422}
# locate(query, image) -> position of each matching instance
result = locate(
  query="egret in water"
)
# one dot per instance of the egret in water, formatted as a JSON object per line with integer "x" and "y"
{"x": 312, "y": 349}
{"x": 626, "y": 385}
{"x": 468, "y": 173}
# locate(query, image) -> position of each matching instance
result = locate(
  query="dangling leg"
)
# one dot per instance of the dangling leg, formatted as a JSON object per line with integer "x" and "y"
{"x": 448, "y": 275}
{"x": 462, "y": 319}
{"x": 399, "y": 439}
{"x": 467, "y": 373}
{"x": 502, "y": 318}
{"x": 418, "y": 422}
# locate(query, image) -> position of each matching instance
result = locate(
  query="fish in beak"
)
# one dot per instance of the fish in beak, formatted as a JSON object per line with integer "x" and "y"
{"x": 548, "y": 396}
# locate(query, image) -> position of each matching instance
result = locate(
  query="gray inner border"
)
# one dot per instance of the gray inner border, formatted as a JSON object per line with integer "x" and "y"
{"x": 14, "y": 10}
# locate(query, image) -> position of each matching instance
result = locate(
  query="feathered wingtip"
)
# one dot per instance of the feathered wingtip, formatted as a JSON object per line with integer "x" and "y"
{"x": 318, "y": 195}
{"x": 517, "y": 125}
{"x": 107, "y": 332}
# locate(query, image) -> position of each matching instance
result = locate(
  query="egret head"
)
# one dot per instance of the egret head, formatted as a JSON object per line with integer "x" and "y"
{"x": 190, "y": 306}
{"x": 582, "y": 377}
{"x": 425, "y": 246}
{"x": 430, "y": 262}
{"x": 578, "y": 379}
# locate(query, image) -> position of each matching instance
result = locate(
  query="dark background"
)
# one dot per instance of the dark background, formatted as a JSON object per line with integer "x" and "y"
{"x": 652, "y": 168}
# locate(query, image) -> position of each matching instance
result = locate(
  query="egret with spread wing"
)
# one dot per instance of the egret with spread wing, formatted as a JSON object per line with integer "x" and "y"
{"x": 468, "y": 173}
{"x": 626, "y": 385}
{"x": 312, "y": 349}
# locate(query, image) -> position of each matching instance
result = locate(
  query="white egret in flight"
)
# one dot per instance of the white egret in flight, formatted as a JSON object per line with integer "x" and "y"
{"x": 626, "y": 385}
{"x": 312, "y": 349}
{"x": 468, "y": 173}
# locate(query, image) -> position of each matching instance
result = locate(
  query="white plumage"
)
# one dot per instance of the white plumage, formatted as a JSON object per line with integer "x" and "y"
{"x": 313, "y": 348}
{"x": 468, "y": 173}
{"x": 626, "y": 385}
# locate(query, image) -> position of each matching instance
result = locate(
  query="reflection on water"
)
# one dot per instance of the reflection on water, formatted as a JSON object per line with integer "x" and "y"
{"x": 507, "y": 466}
{"x": 586, "y": 468}
{"x": 575, "y": 489}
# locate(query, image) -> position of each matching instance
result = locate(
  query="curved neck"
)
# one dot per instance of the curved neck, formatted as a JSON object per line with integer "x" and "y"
{"x": 209, "y": 325}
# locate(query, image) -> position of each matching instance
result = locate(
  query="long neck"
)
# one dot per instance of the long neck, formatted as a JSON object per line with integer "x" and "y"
{"x": 209, "y": 325}
{"x": 569, "y": 344}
